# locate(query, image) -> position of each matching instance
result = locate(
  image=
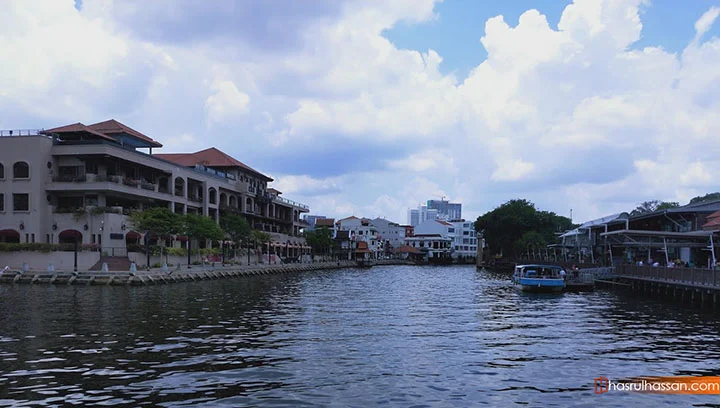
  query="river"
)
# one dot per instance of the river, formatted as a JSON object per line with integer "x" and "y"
{"x": 387, "y": 336}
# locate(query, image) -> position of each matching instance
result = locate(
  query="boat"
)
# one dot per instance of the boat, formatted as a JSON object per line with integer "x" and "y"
{"x": 539, "y": 278}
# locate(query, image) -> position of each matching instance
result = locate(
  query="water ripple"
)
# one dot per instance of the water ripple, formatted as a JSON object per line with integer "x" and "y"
{"x": 388, "y": 336}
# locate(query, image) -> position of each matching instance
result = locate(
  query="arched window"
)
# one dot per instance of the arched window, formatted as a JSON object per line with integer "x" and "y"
{"x": 21, "y": 170}
{"x": 223, "y": 199}
{"x": 179, "y": 186}
{"x": 212, "y": 196}
{"x": 2, "y": 171}
{"x": 249, "y": 205}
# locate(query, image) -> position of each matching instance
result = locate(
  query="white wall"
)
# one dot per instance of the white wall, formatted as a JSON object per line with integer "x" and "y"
{"x": 39, "y": 261}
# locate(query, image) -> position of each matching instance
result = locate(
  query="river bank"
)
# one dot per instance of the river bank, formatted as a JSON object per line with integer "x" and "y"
{"x": 165, "y": 276}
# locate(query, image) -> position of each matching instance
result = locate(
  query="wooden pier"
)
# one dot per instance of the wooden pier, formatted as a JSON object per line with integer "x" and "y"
{"x": 694, "y": 286}
{"x": 159, "y": 277}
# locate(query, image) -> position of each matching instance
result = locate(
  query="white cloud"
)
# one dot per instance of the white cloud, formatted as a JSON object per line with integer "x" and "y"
{"x": 426, "y": 160}
{"x": 706, "y": 21}
{"x": 226, "y": 103}
{"x": 571, "y": 116}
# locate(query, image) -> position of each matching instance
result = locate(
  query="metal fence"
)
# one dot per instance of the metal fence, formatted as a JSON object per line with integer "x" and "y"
{"x": 692, "y": 276}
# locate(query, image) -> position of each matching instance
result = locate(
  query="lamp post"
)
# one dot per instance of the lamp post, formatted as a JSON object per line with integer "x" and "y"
{"x": 188, "y": 250}
{"x": 248, "y": 251}
{"x": 76, "y": 251}
{"x": 147, "y": 249}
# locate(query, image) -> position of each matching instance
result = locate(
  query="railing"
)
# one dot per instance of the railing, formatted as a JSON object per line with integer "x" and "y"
{"x": 599, "y": 273}
{"x": 74, "y": 178}
{"x": 292, "y": 203}
{"x": 147, "y": 186}
{"x": 691, "y": 276}
{"x": 21, "y": 132}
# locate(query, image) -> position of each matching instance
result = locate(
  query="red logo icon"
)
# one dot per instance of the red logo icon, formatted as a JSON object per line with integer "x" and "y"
{"x": 601, "y": 385}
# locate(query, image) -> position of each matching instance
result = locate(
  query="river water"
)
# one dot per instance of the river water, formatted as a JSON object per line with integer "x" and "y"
{"x": 386, "y": 336}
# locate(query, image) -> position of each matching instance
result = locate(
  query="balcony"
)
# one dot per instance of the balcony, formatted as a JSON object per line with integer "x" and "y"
{"x": 100, "y": 182}
{"x": 70, "y": 178}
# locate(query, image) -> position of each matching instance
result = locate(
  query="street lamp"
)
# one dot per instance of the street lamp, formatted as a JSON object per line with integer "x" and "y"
{"x": 188, "y": 249}
{"x": 248, "y": 251}
{"x": 147, "y": 249}
{"x": 76, "y": 250}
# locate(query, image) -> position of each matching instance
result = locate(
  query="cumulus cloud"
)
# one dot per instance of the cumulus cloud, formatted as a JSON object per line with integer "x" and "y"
{"x": 226, "y": 101}
{"x": 573, "y": 116}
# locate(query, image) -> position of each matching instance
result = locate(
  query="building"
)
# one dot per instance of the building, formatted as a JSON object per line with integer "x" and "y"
{"x": 435, "y": 210}
{"x": 685, "y": 234}
{"x": 361, "y": 230}
{"x": 465, "y": 240}
{"x": 311, "y": 220}
{"x": 432, "y": 247}
{"x": 413, "y": 216}
{"x": 79, "y": 181}
{"x": 445, "y": 209}
{"x": 462, "y": 235}
{"x": 391, "y": 233}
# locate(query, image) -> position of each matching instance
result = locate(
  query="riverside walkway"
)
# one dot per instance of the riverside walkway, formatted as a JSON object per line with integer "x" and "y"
{"x": 689, "y": 285}
{"x": 160, "y": 276}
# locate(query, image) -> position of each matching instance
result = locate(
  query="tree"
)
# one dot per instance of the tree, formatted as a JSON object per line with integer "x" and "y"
{"x": 653, "y": 205}
{"x": 202, "y": 227}
{"x": 320, "y": 239}
{"x": 236, "y": 227}
{"x": 505, "y": 227}
{"x": 260, "y": 237}
{"x": 158, "y": 221}
{"x": 706, "y": 197}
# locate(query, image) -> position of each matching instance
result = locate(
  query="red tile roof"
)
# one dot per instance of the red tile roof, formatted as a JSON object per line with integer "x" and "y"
{"x": 352, "y": 217}
{"x": 713, "y": 222}
{"x": 406, "y": 249}
{"x": 210, "y": 157}
{"x": 444, "y": 223}
{"x": 272, "y": 190}
{"x": 112, "y": 126}
{"x": 324, "y": 222}
{"x": 79, "y": 128}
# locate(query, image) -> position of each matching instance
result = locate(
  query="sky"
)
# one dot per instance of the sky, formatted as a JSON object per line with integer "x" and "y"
{"x": 371, "y": 107}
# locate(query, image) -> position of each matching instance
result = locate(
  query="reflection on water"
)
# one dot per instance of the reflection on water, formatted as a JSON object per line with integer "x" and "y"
{"x": 394, "y": 336}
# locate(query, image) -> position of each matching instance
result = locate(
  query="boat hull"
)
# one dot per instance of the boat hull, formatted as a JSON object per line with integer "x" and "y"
{"x": 541, "y": 285}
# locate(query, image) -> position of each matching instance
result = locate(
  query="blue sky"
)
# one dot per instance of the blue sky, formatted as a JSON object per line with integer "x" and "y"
{"x": 369, "y": 107}
{"x": 455, "y": 33}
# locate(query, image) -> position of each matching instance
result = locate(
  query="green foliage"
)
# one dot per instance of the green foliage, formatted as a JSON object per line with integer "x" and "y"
{"x": 653, "y": 205}
{"x": 706, "y": 197}
{"x": 260, "y": 237}
{"x": 157, "y": 221}
{"x": 236, "y": 227}
{"x": 320, "y": 239}
{"x": 201, "y": 227}
{"x": 514, "y": 225}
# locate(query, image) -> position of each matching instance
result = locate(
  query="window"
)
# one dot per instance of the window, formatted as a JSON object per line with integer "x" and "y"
{"x": 91, "y": 167}
{"x": 2, "y": 202}
{"x": 21, "y": 202}
{"x": 451, "y": 230}
{"x": 21, "y": 170}
{"x": 2, "y": 171}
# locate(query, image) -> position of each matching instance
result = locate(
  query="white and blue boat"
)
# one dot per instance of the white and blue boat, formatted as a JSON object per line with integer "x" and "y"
{"x": 539, "y": 278}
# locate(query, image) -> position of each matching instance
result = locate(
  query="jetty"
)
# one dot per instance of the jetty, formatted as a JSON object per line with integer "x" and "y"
{"x": 167, "y": 276}
{"x": 695, "y": 286}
